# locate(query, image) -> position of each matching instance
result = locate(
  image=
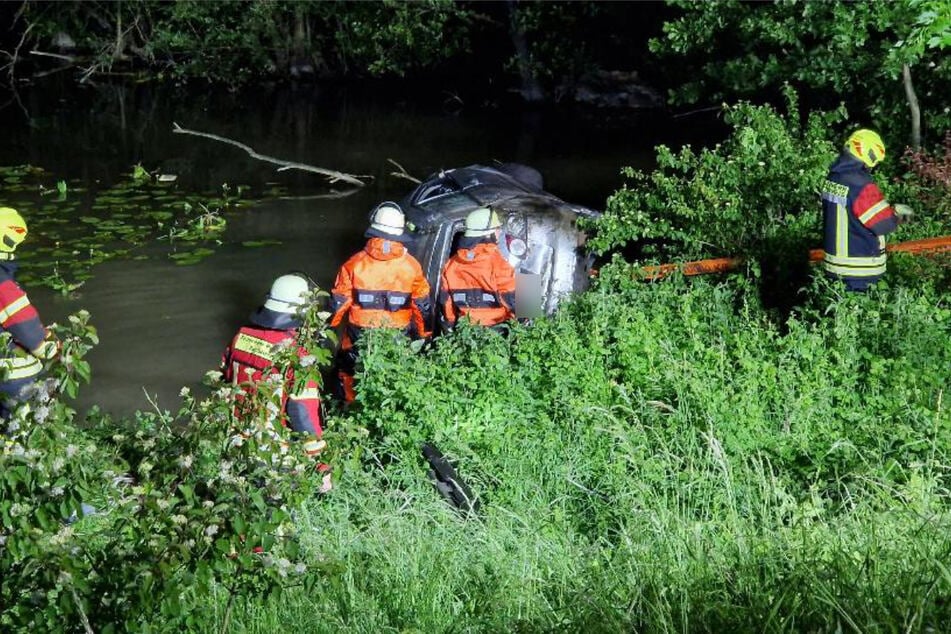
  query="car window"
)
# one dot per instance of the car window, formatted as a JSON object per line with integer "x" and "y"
{"x": 435, "y": 189}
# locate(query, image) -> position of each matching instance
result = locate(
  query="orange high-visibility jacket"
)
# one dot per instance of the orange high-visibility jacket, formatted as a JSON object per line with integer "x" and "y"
{"x": 477, "y": 282}
{"x": 382, "y": 286}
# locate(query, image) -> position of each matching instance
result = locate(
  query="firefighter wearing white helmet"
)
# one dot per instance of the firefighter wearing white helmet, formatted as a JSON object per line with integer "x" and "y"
{"x": 252, "y": 357}
{"x": 386, "y": 221}
{"x": 855, "y": 214}
{"x": 288, "y": 293}
{"x": 477, "y": 282}
{"x": 381, "y": 286}
{"x": 21, "y": 363}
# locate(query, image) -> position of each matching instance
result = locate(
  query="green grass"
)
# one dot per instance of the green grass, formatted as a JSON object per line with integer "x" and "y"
{"x": 670, "y": 459}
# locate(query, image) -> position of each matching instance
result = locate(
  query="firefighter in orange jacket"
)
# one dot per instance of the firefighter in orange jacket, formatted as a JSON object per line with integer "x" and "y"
{"x": 251, "y": 358}
{"x": 381, "y": 286}
{"x": 477, "y": 281}
{"x": 21, "y": 362}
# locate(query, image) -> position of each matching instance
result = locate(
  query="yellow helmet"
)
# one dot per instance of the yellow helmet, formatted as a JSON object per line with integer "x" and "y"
{"x": 482, "y": 222}
{"x": 12, "y": 229}
{"x": 866, "y": 146}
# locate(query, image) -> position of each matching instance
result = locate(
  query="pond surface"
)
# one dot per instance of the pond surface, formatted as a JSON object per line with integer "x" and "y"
{"x": 163, "y": 325}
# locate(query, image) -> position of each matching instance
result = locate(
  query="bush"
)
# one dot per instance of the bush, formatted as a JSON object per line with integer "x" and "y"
{"x": 737, "y": 198}
{"x": 184, "y": 505}
{"x": 668, "y": 459}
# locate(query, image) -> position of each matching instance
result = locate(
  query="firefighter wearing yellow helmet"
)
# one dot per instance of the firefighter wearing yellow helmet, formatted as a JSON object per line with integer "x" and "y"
{"x": 21, "y": 362}
{"x": 477, "y": 281}
{"x": 855, "y": 215}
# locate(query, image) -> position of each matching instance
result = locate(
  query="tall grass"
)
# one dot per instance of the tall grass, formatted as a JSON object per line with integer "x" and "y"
{"x": 659, "y": 458}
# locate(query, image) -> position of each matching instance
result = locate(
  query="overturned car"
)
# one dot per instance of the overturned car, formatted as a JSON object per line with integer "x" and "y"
{"x": 540, "y": 237}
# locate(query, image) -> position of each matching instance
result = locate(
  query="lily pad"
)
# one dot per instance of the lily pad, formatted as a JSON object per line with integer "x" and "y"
{"x": 252, "y": 244}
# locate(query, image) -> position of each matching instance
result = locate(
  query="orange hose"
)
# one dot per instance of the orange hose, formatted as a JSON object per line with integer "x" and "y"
{"x": 723, "y": 265}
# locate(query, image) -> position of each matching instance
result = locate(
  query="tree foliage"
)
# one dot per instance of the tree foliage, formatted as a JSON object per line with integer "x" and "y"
{"x": 233, "y": 42}
{"x": 850, "y": 51}
{"x": 733, "y": 198}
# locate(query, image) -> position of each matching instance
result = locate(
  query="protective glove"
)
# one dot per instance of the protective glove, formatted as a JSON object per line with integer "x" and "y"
{"x": 904, "y": 212}
{"x": 47, "y": 349}
{"x": 421, "y": 345}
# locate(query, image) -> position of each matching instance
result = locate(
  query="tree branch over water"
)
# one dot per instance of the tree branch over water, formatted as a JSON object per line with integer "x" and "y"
{"x": 402, "y": 173}
{"x": 333, "y": 175}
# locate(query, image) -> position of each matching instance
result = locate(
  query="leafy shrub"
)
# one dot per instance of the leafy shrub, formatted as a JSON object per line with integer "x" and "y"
{"x": 185, "y": 504}
{"x": 761, "y": 183}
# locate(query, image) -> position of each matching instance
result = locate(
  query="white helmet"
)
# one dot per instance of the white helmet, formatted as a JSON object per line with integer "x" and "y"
{"x": 482, "y": 222}
{"x": 288, "y": 293}
{"x": 387, "y": 220}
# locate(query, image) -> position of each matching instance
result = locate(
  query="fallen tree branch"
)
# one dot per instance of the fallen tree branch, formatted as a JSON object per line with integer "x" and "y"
{"x": 65, "y": 58}
{"x": 403, "y": 173}
{"x": 333, "y": 175}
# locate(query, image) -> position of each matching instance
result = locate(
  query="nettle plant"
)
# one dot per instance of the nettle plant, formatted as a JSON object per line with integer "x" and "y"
{"x": 732, "y": 199}
{"x": 185, "y": 502}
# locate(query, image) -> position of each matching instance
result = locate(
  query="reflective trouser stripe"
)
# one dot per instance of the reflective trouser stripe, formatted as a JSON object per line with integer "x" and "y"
{"x": 14, "y": 368}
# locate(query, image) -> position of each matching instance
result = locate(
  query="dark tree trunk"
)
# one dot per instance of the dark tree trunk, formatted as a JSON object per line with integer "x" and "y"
{"x": 531, "y": 89}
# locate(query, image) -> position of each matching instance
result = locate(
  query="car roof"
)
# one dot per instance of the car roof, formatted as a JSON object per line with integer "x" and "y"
{"x": 449, "y": 195}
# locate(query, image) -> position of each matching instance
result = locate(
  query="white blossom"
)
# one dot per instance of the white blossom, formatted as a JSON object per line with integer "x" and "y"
{"x": 41, "y": 414}
{"x": 185, "y": 462}
{"x": 308, "y": 361}
{"x": 179, "y": 519}
{"x": 211, "y": 530}
{"x": 184, "y": 392}
{"x": 62, "y": 536}
{"x": 57, "y": 491}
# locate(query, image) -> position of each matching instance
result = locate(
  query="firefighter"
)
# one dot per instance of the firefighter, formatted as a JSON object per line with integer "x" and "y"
{"x": 252, "y": 355}
{"x": 855, "y": 215}
{"x": 381, "y": 286}
{"x": 477, "y": 281}
{"x": 21, "y": 362}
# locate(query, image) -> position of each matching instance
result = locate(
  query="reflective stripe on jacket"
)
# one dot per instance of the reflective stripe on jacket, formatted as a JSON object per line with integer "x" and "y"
{"x": 382, "y": 286}
{"x": 18, "y": 317}
{"x": 250, "y": 360}
{"x": 477, "y": 282}
{"x": 856, "y": 218}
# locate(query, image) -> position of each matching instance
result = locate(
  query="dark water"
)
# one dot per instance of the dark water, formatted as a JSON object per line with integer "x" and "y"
{"x": 162, "y": 325}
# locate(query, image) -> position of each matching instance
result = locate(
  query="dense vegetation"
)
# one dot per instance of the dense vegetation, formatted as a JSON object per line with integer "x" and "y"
{"x": 754, "y": 452}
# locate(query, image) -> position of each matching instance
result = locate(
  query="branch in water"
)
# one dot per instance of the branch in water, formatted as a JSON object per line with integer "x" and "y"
{"x": 403, "y": 173}
{"x": 333, "y": 175}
